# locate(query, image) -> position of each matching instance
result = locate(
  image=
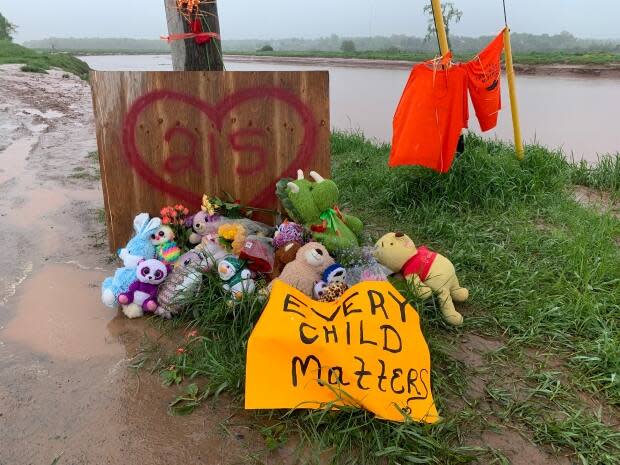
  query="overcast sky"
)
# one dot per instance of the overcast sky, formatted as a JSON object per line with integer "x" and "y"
{"x": 265, "y": 19}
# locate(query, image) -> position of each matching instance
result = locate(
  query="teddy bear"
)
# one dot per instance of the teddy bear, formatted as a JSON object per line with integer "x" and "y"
{"x": 183, "y": 281}
{"x": 138, "y": 248}
{"x": 430, "y": 272}
{"x": 166, "y": 250}
{"x": 202, "y": 224}
{"x": 307, "y": 268}
{"x": 314, "y": 204}
{"x": 237, "y": 279}
{"x": 142, "y": 292}
{"x": 284, "y": 255}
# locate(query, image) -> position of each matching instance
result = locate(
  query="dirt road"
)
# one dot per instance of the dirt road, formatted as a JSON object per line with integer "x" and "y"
{"x": 66, "y": 393}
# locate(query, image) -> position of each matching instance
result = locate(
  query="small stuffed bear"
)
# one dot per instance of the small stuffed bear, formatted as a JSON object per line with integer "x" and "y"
{"x": 307, "y": 268}
{"x": 428, "y": 271}
{"x": 201, "y": 226}
{"x": 142, "y": 292}
{"x": 237, "y": 279}
{"x": 284, "y": 255}
{"x": 166, "y": 249}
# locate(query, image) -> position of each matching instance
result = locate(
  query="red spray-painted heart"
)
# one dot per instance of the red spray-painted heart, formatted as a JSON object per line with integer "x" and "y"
{"x": 217, "y": 114}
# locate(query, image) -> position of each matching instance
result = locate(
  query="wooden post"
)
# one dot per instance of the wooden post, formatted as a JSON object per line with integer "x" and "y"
{"x": 187, "y": 55}
{"x": 512, "y": 89}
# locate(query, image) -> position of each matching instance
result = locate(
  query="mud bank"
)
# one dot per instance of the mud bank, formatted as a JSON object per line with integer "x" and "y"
{"x": 608, "y": 71}
{"x": 67, "y": 393}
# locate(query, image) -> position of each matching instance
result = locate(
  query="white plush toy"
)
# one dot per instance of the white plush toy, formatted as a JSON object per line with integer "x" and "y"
{"x": 237, "y": 279}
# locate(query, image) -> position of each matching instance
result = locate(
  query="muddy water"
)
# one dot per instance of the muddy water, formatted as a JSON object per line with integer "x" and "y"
{"x": 577, "y": 115}
{"x": 67, "y": 392}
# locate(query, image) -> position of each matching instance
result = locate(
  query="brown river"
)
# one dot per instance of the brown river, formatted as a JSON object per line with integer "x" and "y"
{"x": 578, "y": 115}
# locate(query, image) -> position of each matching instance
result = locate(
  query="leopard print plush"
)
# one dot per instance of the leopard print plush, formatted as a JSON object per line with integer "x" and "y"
{"x": 333, "y": 292}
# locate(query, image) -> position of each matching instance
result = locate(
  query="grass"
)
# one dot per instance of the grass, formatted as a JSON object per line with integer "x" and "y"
{"x": 90, "y": 170}
{"x": 543, "y": 276}
{"x": 532, "y": 58}
{"x": 40, "y": 62}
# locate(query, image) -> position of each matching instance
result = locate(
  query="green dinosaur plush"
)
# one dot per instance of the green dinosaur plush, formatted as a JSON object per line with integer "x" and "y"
{"x": 314, "y": 204}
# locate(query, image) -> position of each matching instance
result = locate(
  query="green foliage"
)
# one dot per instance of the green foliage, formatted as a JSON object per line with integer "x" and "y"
{"x": 98, "y": 45}
{"x": 393, "y": 53}
{"x": 265, "y": 48}
{"x": 521, "y": 43}
{"x": 605, "y": 174}
{"x": 543, "y": 274}
{"x": 34, "y": 61}
{"x": 32, "y": 69}
{"x": 6, "y": 29}
{"x": 347, "y": 46}
{"x": 451, "y": 15}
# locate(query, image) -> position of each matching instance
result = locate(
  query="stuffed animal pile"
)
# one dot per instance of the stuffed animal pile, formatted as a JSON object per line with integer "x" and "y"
{"x": 318, "y": 249}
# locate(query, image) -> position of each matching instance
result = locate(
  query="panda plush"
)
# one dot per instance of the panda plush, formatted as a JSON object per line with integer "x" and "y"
{"x": 141, "y": 297}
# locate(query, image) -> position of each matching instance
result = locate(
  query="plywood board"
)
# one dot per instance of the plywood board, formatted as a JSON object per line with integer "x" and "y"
{"x": 168, "y": 137}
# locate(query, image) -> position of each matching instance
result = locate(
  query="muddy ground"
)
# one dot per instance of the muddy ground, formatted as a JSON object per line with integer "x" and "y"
{"x": 67, "y": 392}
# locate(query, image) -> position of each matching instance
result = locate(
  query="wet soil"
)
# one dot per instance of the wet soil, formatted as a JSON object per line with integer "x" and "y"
{"x": 67, "y": 394}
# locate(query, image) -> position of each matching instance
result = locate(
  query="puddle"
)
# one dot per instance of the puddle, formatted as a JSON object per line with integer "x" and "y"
{"x": 58, "y": 313}
{"x": 67, "y": 390}
{"x": 13, "y": 158}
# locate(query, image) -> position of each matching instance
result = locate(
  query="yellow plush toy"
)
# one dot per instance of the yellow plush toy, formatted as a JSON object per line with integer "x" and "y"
{"x": 429, "y": 271}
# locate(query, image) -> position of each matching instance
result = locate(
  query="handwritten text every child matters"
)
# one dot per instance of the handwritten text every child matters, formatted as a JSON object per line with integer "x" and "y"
{"x": 366, "y": 349}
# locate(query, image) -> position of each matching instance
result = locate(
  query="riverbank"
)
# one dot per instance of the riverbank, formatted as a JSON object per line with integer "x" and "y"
{"x": 608, "y": 70}
{"x": 532, "y": 376}
{"x": 592, "y": 64}
{"x": 40, "y": 62}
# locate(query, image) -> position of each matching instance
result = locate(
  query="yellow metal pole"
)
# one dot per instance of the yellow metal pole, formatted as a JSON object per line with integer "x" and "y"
{"x": 440, "y": 27}
{"x": 514, "y": 106}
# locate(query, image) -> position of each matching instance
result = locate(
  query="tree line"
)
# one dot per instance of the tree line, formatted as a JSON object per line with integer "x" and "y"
{"x": 521, "y": 43}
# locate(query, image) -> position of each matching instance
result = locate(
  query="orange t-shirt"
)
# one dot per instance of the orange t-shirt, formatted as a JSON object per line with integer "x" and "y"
{"x": 483, "y": 81}
{"x": 430, "y": 117}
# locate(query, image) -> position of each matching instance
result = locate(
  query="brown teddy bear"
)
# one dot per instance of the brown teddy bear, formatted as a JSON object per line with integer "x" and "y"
{"x": 428, "y": 271}
{"x": 307, "y": 268}
{"x": 283, "y": 256}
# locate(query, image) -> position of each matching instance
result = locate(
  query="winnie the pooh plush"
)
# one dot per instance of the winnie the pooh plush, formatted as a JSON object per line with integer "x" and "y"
{"x": 429, "y": 271}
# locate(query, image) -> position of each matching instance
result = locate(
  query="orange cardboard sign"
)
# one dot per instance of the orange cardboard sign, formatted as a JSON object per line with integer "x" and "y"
{"x": 365, "y": 350}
